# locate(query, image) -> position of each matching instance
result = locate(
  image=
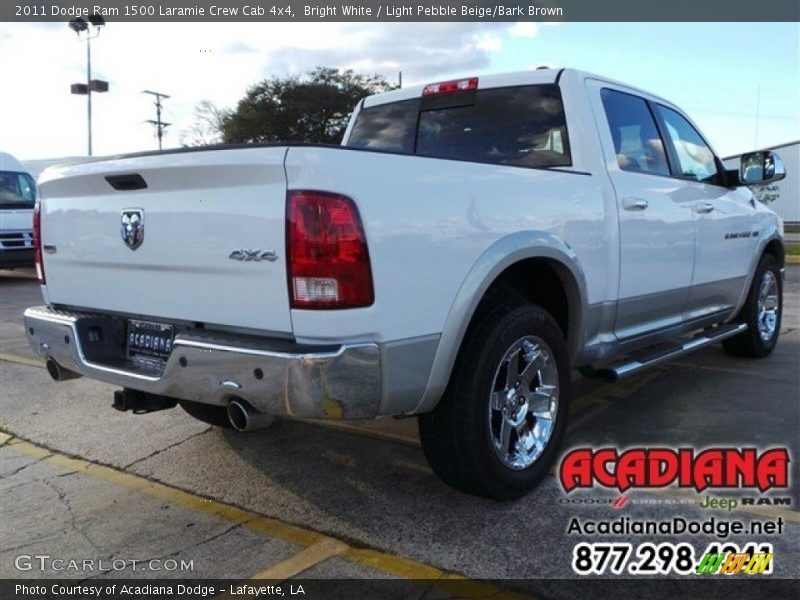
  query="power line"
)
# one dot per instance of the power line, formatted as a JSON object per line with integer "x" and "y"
{"x": 160, "y": 125}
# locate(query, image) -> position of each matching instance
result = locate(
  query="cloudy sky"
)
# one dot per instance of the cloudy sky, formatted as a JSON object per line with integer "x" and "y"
{"x": 739, "y": 81}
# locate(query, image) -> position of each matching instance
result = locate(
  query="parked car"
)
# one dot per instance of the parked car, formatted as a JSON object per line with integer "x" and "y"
{"x": 469, "y": 244}
{"x": 17, "y": 198}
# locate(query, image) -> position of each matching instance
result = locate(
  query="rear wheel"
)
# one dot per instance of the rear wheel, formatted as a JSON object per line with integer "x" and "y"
{"x": 208, "y": 413}
{"x": 497, "y": 429}
{"x": 761, "y": 312}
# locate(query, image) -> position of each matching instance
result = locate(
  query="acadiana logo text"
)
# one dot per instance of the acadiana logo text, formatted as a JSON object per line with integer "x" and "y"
{"x": 661, "y": 467}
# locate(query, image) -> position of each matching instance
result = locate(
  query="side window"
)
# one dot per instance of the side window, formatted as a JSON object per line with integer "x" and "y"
{"x": 695, "y": 158}
{"x": 637, "y": 143}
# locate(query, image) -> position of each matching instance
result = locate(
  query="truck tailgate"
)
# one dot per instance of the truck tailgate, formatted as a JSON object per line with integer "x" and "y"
{"x": 206, "y": 218}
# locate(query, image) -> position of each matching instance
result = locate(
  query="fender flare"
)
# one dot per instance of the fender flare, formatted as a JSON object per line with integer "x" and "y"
{"x": 497, "y": 258}
{"x": 769, "y": 235}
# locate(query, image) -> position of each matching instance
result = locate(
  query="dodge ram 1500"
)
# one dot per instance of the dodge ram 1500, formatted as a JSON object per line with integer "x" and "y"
{"x": 468, "y": 244}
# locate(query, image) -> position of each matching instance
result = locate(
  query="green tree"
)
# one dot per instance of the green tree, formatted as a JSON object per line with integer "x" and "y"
{"x": 766, "y": 192}
{"x": 206, "y": 127}
{"x": 313, "y": 109}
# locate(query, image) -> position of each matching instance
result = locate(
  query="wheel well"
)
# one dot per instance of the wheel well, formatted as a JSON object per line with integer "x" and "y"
{"x": 541, "y": 281}
{"x": 775, "y": 248}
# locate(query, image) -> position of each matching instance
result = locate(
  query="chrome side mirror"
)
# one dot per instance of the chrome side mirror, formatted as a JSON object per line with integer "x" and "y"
{"x": 761, "y": 167}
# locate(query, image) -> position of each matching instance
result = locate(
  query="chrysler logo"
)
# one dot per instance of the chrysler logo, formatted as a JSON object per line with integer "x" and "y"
{"x": 132, "y": 228}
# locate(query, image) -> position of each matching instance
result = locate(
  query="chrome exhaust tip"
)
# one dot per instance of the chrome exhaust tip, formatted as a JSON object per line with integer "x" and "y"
{"x": 59, "y": 373}
{"x": 244, "y": 417}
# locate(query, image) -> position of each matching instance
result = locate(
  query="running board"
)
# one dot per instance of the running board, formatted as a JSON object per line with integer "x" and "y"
{"x": 650, "y": 359}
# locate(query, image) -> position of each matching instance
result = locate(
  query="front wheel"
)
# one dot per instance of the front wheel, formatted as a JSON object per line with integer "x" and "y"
{"x": 761, "y": 313}
{"x": 497, "y": 429}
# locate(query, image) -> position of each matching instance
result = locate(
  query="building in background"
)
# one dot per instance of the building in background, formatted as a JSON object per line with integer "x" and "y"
{"x": 782, "y": 196}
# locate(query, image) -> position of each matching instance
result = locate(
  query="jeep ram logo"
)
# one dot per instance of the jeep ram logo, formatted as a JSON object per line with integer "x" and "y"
{"x": 132, "y": 228}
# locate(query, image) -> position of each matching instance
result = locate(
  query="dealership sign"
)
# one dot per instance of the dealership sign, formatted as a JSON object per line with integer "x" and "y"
{"x": 686, "y": 467}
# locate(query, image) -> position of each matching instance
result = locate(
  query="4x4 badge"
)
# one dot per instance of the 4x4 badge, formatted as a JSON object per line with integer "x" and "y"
{"x": 132, "y": 227}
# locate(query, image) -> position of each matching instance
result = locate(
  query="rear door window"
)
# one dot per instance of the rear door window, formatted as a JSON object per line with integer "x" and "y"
{"x": 637, "y": 143}
{"x": 521, "y": 126}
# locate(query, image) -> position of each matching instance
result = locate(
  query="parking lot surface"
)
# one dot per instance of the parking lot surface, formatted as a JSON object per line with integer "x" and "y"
{"x": 81, "y": 480}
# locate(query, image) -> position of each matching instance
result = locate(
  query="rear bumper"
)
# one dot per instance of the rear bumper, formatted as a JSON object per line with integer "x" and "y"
{"x": 336, "y": 383}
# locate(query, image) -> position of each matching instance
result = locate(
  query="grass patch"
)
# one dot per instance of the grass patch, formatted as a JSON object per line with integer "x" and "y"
{"x": 793, "y": 228}
{"x": 793, "y": 249}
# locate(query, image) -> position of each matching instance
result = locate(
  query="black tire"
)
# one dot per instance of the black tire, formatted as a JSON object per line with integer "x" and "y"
{"x": 750, "y": 343}
{"x": 208, "y": 413}
{"x": 457, "y": 435}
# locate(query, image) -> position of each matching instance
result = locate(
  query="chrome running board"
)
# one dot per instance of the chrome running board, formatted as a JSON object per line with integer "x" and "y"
{"x": 651, "y": 358}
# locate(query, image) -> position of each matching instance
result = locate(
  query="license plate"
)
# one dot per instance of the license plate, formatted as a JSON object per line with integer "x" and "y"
{"x": 148, "y": 340}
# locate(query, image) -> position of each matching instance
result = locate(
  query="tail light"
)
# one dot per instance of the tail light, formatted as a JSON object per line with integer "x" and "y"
{"x": 37, "y": 242}
{"x": 448, "y": 87}
{"x": 328, "y": 262}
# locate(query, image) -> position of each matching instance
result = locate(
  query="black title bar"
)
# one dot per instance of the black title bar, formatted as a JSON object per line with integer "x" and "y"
{"x": 402, "y": 10}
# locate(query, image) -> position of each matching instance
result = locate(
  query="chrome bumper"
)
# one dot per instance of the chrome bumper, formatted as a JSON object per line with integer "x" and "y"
{"x": 344, "y": 383}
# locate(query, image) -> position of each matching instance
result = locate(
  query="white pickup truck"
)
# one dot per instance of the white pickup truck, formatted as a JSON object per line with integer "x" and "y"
{"x": 469, "y": 243}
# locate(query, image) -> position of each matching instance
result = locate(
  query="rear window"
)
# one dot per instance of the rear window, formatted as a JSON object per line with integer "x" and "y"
{"x": 520, "y": 126}
{"x": 17, "y": 190}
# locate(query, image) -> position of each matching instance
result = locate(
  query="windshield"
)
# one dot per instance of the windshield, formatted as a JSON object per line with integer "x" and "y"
{"x": 17, "y": 190}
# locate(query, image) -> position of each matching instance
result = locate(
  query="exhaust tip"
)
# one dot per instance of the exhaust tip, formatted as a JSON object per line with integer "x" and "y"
{"x": 237, "y": 415}
{"x": 244, "y": 417}
{"x": 59, "y": 373}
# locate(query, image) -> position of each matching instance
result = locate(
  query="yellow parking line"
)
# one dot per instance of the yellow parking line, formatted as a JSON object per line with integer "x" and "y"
{"x": 322, "y": 544}
{"x": 305, "y": 559}
{"x": 22, "y": 360}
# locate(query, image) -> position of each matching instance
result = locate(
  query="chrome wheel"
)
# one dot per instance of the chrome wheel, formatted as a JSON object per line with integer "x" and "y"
{"x": 768, "y": 306}
{"x": 523, "y": 402}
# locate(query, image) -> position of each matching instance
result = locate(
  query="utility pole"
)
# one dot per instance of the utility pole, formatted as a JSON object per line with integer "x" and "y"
{"x": 158, "y": 123}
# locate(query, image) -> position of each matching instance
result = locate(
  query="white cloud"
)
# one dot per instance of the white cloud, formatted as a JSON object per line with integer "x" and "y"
{"x": 524, "y": 30}
{"x": 488, "y": 42}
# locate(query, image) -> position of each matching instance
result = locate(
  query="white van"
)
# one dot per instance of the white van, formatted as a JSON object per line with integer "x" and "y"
{"x": 17, "y": 198}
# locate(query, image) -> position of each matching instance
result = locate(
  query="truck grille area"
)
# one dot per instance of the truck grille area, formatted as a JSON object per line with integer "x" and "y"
{"x": 16, "y": 240}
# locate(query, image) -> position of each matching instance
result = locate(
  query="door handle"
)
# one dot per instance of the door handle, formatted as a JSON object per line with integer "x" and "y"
{"x": 703, "y": 207}
{"x": 634, "y": 203}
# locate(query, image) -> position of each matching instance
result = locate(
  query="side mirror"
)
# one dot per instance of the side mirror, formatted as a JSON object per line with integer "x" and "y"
{"x": 761, "y": 167}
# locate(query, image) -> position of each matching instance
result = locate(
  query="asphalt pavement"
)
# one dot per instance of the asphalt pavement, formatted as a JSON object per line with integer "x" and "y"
{"x": 78, "y": 479}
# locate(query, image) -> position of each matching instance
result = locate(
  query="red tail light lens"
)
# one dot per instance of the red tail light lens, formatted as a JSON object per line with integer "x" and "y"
{"x": 328, "y": 262}
{"x": 448, "y": 87}
{"x": 37, "y": 242}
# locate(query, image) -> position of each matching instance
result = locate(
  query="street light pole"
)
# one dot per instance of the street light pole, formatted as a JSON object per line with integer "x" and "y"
{"x": 89, "y": 90}
{"x": 79, "y": 26}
